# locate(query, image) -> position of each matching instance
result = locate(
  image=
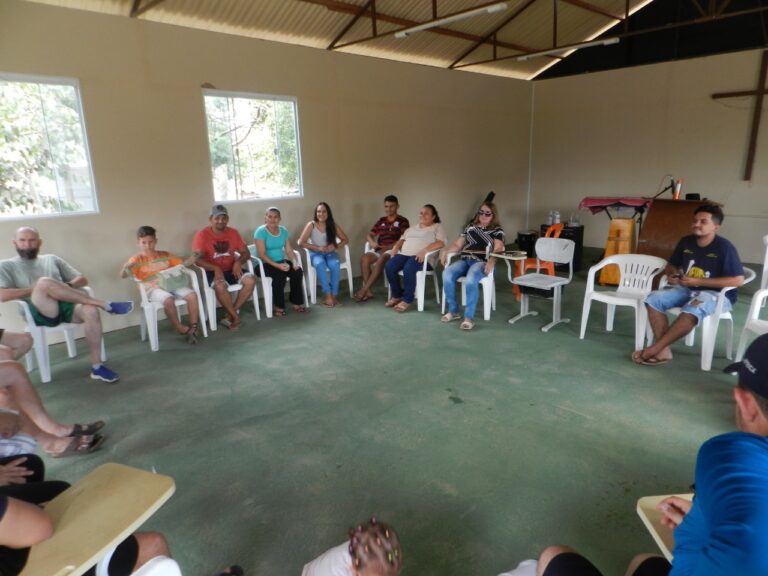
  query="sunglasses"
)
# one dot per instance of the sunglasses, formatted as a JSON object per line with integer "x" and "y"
{"x": 484, "y": 213}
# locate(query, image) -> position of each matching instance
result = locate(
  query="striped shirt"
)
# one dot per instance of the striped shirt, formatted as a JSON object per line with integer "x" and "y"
{"x": 477, "y": 239}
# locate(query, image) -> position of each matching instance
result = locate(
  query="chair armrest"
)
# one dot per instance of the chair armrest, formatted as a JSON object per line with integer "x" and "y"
{"x": 450, "y": 256}
{"x": 25, "y": 311}
{"x": 193, "y": 278}
{"x": 260, "y": 263}
{"x": 432, "y": 255}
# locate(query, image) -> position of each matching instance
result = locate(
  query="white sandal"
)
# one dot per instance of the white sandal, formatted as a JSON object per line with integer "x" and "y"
{"x": 450, "y": 317}
{"x": 467, "y": 324}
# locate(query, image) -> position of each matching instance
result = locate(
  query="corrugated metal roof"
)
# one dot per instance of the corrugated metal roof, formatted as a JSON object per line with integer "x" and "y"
{"x": 525, "y": 26}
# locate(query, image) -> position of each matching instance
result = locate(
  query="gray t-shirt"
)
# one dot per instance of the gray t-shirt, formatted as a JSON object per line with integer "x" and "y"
{"x": 19, "y": 273}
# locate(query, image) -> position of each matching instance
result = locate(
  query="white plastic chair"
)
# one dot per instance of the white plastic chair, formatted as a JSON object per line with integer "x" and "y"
{"x": 40, "y": 336}
{"x": 150, "y": 317}
{"x": 488, "y": 285}
{"x": 753, "y": 324}
{"x": 266, "y": 281}
{"x": 210, "y": 295}
{"x": 636, "y": 274}
{"x": 345, "y": 264}
{"x": 559, "y": 251}
{"x": 421, "y": 280}
{"x": 710, "y": 324}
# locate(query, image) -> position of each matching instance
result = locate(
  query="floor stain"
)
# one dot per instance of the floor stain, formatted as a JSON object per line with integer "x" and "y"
{"x": 456, "y": 400}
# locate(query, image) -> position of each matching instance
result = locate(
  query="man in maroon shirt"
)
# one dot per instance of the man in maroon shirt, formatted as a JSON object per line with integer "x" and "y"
{"x": 381, "y": 238}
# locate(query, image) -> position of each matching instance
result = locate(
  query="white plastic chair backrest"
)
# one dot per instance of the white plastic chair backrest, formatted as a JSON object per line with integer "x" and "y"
{"x": 637, "y": 271}
{"x": 558, "y": 250}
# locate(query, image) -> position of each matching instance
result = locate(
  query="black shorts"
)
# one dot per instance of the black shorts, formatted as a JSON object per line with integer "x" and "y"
{"x": 228, "y": 276}
{"x": 573, "y": 564}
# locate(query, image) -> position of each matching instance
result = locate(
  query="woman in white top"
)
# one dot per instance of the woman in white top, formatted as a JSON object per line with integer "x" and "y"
{"x": 322, "y": 237}
{"x": 408, "y": 255}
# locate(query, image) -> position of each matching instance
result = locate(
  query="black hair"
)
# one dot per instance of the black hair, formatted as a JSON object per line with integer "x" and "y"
{"x": 714, "y": 210}
{"x": 391, "y": 198}
{"x": 434, "y": 212}
{"x": 330, "y": 225}
{"x": 761, "y": 401}
{"x": 145, "y": 231}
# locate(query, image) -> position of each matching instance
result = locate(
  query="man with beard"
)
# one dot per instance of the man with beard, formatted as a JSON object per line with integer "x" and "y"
{"x": 51, "y": 288}
{"x": 221, "y": 252}
{"x": 702, "y": 264}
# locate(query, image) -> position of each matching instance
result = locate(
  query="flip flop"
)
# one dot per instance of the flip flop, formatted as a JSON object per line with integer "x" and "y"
{"x": 637, "y": 357}
{"x": 299, "y": 310}
{"x": 279, "y": 312}
{"x": 655, "y": 361}
{"x": 77, "y": 446}
{"x": 402, "y": 306}
{"x": 392, "y": 302}
{"x": 365, "y": 299}
{"x": 86, "y": 429}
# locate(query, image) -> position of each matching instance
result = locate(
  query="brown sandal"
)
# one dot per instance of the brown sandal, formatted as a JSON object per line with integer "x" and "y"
{"x": 392, "y": 302}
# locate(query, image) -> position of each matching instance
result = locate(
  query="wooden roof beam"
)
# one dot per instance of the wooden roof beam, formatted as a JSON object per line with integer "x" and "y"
{"x": 137, "y": 9}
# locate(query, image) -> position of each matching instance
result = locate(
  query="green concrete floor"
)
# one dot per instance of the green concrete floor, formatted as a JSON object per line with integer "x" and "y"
{"x": 480, "y": 448}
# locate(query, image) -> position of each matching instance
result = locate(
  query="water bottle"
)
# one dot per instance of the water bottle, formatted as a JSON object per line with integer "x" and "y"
{"x": 550, "y": 217}
{"x": 555, "y": 217}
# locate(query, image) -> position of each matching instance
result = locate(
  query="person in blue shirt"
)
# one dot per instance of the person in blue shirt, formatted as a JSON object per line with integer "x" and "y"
{"x": 724, "y": 531}
{"x": 702, "y": 264}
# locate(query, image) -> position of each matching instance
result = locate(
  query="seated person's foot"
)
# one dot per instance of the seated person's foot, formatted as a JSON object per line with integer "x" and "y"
{"x": 298, "y": 308}
{"x": 104, "y": 374}
{"x": 278, "y": 312}
{"x": 328, "y": 301}
{"x": 642, "y": 357}
{"x": 119, "y": 307}
{"x": 336, "y": 301}
{"x": 392, "y": 302}
{"x": 80, "y": 445}
{"x": 231, "y": 322}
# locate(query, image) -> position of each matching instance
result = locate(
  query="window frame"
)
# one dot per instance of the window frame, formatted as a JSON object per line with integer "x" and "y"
{"x": 255, "y": 96}
{"x": 59, "y": 81}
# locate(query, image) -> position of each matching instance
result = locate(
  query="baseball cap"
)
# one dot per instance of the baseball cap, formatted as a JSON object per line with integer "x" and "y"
{"x": 753, "y": 368}
{"x": 218, "y": 210}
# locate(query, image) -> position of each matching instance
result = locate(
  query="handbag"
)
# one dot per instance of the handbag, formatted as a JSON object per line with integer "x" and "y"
{"x": 172, "y": 279}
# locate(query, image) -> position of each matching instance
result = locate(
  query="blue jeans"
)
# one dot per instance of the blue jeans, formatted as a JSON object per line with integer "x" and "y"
{"x": 409, "y": 265}
{"x": 474, "y": 270}
{"x": 323, "y": 261}
{"x": 699, "y": 303}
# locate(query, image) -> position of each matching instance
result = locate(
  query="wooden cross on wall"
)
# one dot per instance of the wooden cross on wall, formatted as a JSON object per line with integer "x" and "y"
{"x": 758, "y": 93}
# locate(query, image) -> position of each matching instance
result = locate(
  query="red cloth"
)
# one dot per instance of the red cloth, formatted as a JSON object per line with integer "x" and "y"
{"x": 597, "y": 204}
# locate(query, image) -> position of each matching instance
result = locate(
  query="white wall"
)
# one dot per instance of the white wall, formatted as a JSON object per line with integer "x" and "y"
{"x": 368, "y": 128}
{"x": 617, "y": 133}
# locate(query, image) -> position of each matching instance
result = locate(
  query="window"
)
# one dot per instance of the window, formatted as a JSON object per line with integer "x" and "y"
{"x": 254, "y": 146}
{"x": 45, "y": 168}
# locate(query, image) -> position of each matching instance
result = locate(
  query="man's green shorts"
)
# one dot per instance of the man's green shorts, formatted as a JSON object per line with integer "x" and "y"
{"x": 66, "y": 311}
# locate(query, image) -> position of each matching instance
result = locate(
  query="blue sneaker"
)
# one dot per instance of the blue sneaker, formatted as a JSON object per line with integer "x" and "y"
{"x": 105, "y": 374}
{"x": 120, "y": 307}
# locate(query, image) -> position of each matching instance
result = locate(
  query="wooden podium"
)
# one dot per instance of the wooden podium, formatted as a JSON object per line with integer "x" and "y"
{"x": 621, "y": 240}
{"x": 667, "y": 221}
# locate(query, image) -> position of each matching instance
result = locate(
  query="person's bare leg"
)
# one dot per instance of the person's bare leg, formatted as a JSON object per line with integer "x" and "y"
{"x": 48, "y": 442}
{"x": 248, "y": 283}
{"x": 192, "y": 308}
{"x": 169, "y": 305}
{"x": 88, "y": 316}
{"x": 548, "y": 554}
{"x": 151, "y": 544}
{"x": 660, "y": 349}
{"x": 375, "y": 274}
{"x": 48, "y": 292}
{"x": 13, "y": 345}
{"x": 366, "y": 261}
{"x": 25, "y": 397}
{"x": 222, "y": 295}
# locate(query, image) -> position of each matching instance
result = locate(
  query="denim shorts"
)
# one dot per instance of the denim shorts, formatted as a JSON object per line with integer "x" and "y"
{"x": 699, "y": 303}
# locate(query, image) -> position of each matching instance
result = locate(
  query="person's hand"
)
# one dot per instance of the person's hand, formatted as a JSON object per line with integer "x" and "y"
{"x": 421, "y": 255}
{"x": 218, "y": 275}
{"x": 443, "y": 257}
{"x": 284, "y": 266}
{"x": 688, "y": 281}
{"x": 237, "y": 269}
{"x": 374, "y": 245}
{"x": 673, "y": 510}
{"x": 14, "y": 473}
{"x": 488, "y": 267}
{"x": 9, "y": 424}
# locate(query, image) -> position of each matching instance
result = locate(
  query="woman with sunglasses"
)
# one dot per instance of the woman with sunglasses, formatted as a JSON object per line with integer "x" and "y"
{"x": 481, "y": 237}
